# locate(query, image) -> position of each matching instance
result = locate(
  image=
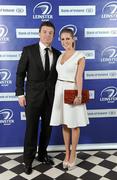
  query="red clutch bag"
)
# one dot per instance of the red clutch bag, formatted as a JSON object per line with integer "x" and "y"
{"x": 69, "y": 96}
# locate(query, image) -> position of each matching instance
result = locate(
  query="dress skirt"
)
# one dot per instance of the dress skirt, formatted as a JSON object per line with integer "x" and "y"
{"x": 70, "y": 115}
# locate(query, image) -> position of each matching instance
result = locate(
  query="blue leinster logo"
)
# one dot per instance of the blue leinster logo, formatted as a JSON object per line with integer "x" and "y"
{"x": 109, "y": 11}
{"x": 42, "y": 11}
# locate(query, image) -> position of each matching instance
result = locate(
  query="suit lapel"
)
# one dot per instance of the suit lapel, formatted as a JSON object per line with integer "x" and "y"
{"x": 38, "y": 57}
{"x": 39, "y": 60}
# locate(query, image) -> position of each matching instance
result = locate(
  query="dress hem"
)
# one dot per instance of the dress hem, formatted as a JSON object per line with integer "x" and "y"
{"x": 70, "y": 126}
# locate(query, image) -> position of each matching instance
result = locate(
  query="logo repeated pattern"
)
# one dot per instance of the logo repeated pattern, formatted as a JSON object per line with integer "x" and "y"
{"x": 95, "y": 30}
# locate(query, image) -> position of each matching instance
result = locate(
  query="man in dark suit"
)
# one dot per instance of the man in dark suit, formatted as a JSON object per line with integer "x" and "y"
{"x": 39, "y": 95}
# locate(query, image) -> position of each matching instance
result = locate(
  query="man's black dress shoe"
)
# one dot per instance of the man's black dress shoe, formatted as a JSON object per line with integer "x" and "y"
{"x": 46, "y": 160}
{"x": 28, "y": 169}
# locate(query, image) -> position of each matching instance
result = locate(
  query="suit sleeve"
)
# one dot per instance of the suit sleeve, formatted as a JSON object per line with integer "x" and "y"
{"x": 21, "y": 73}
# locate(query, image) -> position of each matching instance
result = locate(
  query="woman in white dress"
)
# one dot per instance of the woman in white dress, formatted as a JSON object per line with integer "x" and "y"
{"x": 70, "y": 68}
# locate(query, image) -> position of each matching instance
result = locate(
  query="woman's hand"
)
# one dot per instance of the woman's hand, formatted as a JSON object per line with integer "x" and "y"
{"x": 77, "y": 100}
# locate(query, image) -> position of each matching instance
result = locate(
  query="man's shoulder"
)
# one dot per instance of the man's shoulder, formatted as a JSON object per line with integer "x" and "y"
{"x": 31, "y": 46}
{"x": 56, "y": 50}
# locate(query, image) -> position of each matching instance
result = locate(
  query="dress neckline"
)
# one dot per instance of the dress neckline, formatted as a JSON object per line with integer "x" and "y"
{"x": 67, "y": 59}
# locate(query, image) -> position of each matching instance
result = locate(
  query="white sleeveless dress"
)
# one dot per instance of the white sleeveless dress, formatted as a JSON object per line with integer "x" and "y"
{"x": 70, "y": 115}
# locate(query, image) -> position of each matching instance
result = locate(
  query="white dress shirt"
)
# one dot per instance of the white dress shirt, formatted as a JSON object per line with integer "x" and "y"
{"x": 42, "y": 53}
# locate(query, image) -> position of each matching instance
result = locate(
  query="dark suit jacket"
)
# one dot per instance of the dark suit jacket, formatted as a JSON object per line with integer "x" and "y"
{"x": 30, "y": 66}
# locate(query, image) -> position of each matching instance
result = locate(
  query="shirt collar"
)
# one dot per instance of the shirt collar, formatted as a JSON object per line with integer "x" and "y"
{"x": 42, "y": 46}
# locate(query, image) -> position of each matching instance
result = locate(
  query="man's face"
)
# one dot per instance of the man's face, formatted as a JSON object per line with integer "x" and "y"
{"x": 46, "y": 35}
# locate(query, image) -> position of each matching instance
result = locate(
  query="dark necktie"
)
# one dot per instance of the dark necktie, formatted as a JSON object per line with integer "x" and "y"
{"x": 47, "y": 63}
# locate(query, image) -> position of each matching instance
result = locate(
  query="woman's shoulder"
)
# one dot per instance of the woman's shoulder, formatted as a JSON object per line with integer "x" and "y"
{"x": 80, "y": 54}
{"x": 60, "y": 57}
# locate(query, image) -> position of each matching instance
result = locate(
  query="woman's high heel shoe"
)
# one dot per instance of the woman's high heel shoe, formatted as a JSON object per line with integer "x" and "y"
{"x": 72, "y": 165}
{"x": 65, "y": 164}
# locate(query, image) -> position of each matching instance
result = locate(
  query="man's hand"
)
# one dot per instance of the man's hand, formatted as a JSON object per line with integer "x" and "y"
{"x": 22, "y": 101}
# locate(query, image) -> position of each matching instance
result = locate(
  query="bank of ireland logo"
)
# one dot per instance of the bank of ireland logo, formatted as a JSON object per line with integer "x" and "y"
{"x": 3, "y": 34}
{"x": 69, "y": 26}
{"x": 19, "y": 10}
{"x": 109, "y": 11}
{"x": 109, "y": 94}
{"x": 6, "y": 117}
{"x": 5, "y": 76}
{"x": 43, "y": 11}
{"x": 109, "y": 55}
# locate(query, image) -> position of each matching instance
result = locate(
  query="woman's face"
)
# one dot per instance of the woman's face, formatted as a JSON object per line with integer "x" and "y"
{"x": 67, "y": 41}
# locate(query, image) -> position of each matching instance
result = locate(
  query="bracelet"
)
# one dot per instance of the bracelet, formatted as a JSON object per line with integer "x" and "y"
{"x": 79, "y": 97}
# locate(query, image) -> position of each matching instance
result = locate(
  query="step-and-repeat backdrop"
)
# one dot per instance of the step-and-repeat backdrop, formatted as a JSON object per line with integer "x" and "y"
{"x": 94, "y": 23}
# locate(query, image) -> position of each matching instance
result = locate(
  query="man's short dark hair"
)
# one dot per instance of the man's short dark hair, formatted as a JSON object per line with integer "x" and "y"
{"x": 47, "y": 23}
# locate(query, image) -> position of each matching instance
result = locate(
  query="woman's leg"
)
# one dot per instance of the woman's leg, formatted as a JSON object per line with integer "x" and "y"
{"x": 75, "y": 139}
{"x": 66, "y": 137}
